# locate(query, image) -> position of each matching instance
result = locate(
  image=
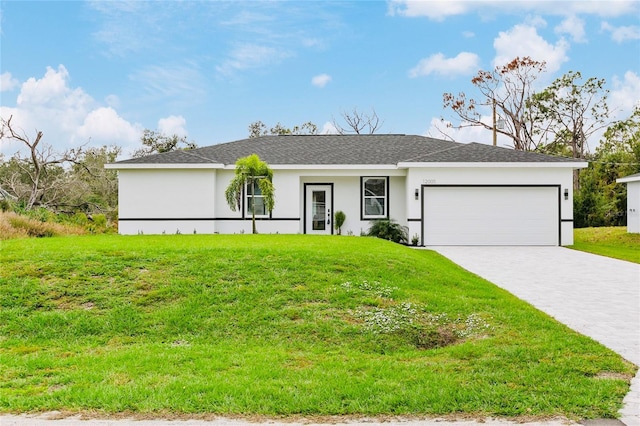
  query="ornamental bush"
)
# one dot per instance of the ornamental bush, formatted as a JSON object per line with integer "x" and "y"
{"x": 389, "y": 230}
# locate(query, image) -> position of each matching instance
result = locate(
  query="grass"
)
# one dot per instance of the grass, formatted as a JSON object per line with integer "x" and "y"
{"x": 281, "y": 325}
{"x": 613, "y": 242}
{"x": 13, "y": 225}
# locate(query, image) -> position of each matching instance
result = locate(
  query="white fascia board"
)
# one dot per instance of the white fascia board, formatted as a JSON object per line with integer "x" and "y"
{"x": 326, "y": 167}
{"x": 138, "y": 166}
{"x": 628, "y": 179}
{"x": 572, "y": 165}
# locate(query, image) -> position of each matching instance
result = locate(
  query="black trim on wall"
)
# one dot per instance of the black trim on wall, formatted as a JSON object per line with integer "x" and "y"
{"x": 414, "y": 220}
{"x": 304, "y": 203}
{"x": 559, "y": 187}
{"x": 160, "y": 219}
{"x": 386, "y": 198}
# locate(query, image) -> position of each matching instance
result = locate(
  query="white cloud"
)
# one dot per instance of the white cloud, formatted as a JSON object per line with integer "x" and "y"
{"x": 328, "y": 129}
{"x": 464, "y": 63}
{"x": 173, "y": 125}
{"x": 245, "y": 56}
{"x": 442, "y": 9}
{"x": 7, "y": 82}
{"x": 625, "y": 95}
{"x": 536, "y": 21}
{"x": 442, "y": 129}
{"x": 435, "y": 10}
{"x": 105, "y": 126}
{"x": 181, "y": 83}
{"x": 321, "y": 80}
{"x": 113, "y": 101}
{"x": 67, "y": 116}
{"x": 620, "y": 34}
{"x": 573, "y": 26}
{"x": 523, "y": 40}
{"x": 468, "y": 34}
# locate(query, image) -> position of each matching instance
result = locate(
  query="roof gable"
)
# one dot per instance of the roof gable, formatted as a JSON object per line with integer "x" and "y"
{"x": 631, "y": 178}
{"x": 376, "y": 149}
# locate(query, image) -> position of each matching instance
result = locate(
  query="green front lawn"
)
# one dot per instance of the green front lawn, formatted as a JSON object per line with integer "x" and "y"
{"x": 613, "y": 242}
{"x": 281, "y": 325}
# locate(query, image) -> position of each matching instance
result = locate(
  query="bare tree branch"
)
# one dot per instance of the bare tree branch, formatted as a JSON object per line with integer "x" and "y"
{"x": 358, "y": 122}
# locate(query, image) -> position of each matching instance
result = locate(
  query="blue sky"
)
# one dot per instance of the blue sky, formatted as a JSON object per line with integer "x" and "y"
{"x": 99, "y": 72}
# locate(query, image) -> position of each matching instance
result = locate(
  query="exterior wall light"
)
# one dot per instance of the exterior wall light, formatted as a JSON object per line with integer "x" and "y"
{"x": 417, "y": 193}
{"x": 566, "y": 194}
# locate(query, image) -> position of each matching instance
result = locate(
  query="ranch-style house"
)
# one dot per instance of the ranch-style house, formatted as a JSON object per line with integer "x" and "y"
{"x": 446, "y": 193}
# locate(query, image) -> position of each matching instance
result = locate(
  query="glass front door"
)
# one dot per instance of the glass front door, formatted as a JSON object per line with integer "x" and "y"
{"x": 318, "y": 209}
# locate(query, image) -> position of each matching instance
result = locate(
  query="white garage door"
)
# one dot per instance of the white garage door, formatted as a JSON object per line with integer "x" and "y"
{"x": 486, "y": 215}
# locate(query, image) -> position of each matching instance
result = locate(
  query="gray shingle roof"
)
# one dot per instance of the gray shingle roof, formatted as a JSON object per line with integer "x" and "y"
{"x": 345, "y": 149}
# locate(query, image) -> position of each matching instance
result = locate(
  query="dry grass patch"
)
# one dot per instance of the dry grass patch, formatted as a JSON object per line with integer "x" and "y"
{"x": 13, "y": 225}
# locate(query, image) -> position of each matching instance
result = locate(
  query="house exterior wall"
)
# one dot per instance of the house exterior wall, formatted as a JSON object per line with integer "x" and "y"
{"x": 193, "y": 200}
{"x": 563, "y": 177}
{"x": 154, "y": 201}
{"x": 633, "y": 207}
{"x": 347, "y": 197}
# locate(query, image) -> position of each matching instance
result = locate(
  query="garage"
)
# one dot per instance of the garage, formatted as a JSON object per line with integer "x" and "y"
{"x": 491, "y": 215}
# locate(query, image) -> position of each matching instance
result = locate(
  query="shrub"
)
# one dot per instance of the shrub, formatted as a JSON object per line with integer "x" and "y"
{"x": 5, "y": 205}
{"x": 338, "y": 220}
{"x": 389, "y": 230}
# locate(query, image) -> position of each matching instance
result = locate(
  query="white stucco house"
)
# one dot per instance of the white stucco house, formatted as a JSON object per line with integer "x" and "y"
{"x": 446, "y": 193}
{"x": 633, "y": 202}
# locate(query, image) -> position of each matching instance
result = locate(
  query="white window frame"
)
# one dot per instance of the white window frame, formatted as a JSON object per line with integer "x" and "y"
{"x": 364, "y": 196}
{"x": 247, "y": 199}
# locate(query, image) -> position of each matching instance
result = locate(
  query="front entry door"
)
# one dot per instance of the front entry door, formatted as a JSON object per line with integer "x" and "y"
{"x": 318, "y": 206}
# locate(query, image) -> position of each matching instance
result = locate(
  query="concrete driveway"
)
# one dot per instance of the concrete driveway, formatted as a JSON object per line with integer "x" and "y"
{"x": 594, "y": 295}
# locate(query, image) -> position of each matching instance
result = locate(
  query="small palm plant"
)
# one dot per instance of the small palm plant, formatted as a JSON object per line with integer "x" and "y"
{"x": 338, "y": 220}
{"x": 251, "y": 170}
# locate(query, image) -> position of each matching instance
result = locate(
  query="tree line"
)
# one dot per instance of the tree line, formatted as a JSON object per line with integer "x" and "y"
{"x": 559, "y": 120}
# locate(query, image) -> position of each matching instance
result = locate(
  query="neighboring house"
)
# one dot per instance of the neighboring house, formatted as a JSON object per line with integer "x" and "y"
{"x": 446, "y": 193}
{"x": 633, "y": 201}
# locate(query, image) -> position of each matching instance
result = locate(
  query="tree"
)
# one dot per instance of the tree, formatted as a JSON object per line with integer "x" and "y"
{"x": 505, "y": 91}
{"x": 358, "y": 122}
{"x": 568, "y": 113}
{"x": 90, "y": 187}
{"x": 600, "y": 200}
{"x": 255, "y": 175}
{"x": 154, "y": 142}
{"x": 39, "y": 178}
{"x": 258, "y": 128}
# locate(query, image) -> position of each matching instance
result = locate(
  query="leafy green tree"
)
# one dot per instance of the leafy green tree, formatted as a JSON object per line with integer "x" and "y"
{"x": 154, "y": 142}
{"x": 600, "y": 200}
{"x": 253, "y": 173}
{"x": 567, "y": 113}
{"x": 91, "y": 187}
{"x": 258, "y": 128}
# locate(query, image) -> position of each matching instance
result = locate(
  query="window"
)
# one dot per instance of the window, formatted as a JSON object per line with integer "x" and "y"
{"x": 374, "y": 197}
{"x": 255, "y": 199}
